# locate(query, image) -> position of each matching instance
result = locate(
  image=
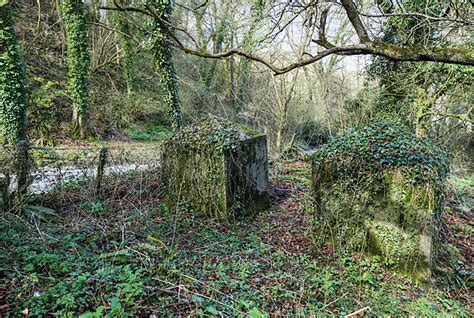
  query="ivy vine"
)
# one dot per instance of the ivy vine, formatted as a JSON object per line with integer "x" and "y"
{"x": 206, "y": 133}
{"x": 352, "y": 173}
{"x": 78, "y": 59}
{"x": 381, "y": 145}
{"x": 162, "y": 48}
{"x": 13, "y": 98}
{"x": 126, "y": 49}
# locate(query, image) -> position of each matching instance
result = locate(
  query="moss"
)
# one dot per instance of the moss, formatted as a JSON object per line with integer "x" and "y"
{"x": 399, "y": 249}
{"x": 214, "y": 169}
{"x": 249, "y": 131}
{"x": 344, "y": 210}
{"x": 209, "y": 132}
{"x": 198, "y": 180}
{"x": 403, "y": 53}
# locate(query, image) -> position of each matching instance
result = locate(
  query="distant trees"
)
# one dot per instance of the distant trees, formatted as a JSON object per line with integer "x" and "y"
{"x": 456, "y": 15}
{"x": 125, "y": 44}
{"x": 129, "y": 48}
{"x": 411, "y": 92}
{"x": 78, "y": 59}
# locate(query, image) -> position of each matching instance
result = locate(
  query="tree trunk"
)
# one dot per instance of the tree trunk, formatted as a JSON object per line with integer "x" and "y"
{"x": 78, "y": 59}
{"x": 13, "y": 98}
{"x": 12, "y": 83}
{"x": 78, "y": 124}
{"x": 423, "y": 113}
{"x": 162, "y": 49}
{"x": 125, "y": 57}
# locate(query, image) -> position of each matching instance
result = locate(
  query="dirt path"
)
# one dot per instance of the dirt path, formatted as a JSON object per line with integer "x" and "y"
{"x": 45, "y": 180}
{"x": 287, "y": 225}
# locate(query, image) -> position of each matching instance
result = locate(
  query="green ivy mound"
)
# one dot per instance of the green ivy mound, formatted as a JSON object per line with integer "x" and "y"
{"x": 379, "y": 189}
{"x": 216, "y": 170}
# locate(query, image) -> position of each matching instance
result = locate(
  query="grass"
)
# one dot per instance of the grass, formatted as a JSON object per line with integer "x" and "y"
{"x": 148, "y": 133}
{"x": 127, "y": 254}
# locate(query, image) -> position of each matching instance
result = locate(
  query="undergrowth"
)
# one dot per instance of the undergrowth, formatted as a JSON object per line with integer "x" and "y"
{"x": 128, "y": 254}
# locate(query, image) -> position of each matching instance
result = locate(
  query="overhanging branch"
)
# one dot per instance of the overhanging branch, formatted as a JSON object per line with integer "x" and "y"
{"x": 390, "y": 51}
{"x": 347, "y": 50}
{"x": 417, "y": 15}
{"x": 393, "y": 52}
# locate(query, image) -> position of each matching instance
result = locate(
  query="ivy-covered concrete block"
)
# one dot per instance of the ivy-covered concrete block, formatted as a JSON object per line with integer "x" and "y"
{"x": 216, "y": 170}
{"x": 379, "y": 190}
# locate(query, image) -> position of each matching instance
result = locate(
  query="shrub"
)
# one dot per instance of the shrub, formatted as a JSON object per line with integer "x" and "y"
{"x": 43, "y": 116}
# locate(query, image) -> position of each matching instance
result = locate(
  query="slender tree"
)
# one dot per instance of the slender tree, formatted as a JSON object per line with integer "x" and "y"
{"x": 125, "y": 44}
{"x": 13, "y": 99}
{"x": 162, "y": 48}
{"x": 78, "y": 59}
{"x": 249, "y": 45}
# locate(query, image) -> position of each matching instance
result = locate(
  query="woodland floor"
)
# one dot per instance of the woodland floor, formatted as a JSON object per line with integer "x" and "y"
{"x": 129, "y": 255}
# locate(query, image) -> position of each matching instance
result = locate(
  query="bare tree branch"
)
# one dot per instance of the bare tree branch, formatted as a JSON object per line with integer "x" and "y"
{"x": 105, "y": 26}
{"x": 292, "y": 19}
{"x": 391, "y": 51}
{"x": 418, "y": 15}
{"x": 131, "y": 9}
{"x": 356, "y": 22}
{"x": 355, "y": 49}
{"x": 322, "y": 40}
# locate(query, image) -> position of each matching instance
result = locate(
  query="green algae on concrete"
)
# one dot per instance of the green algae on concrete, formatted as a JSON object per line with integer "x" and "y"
{"x": 379, "y": 189}
{"x": 216, "y": 170}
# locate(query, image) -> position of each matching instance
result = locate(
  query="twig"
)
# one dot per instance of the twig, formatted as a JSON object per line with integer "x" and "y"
{"x": 358, "y": 312}
{"x": 182, "y": 290}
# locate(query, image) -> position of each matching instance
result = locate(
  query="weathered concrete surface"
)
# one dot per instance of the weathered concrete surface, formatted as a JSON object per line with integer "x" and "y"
{"x": 221, "y": 184}
{"x": 247, "y": 176}
{"x": 397, "y": 222}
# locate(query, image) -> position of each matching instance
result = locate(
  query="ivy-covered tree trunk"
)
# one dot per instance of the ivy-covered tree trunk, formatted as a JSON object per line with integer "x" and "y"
{"x": 13, "y": 99}
{"x": 222, "y": 30}
{"x": 126, "y": 49}
{"x": 249, "y": 45}
{"x": 78, "y": 59}
{"x": 410, "y": 89}
{"x": 423, "y": 106}
{"x": 162, "y": 48}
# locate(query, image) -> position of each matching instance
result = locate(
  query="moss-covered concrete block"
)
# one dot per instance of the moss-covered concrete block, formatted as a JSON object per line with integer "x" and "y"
{"x": 216, "y": 170}
{"x": 379, "y": 190}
